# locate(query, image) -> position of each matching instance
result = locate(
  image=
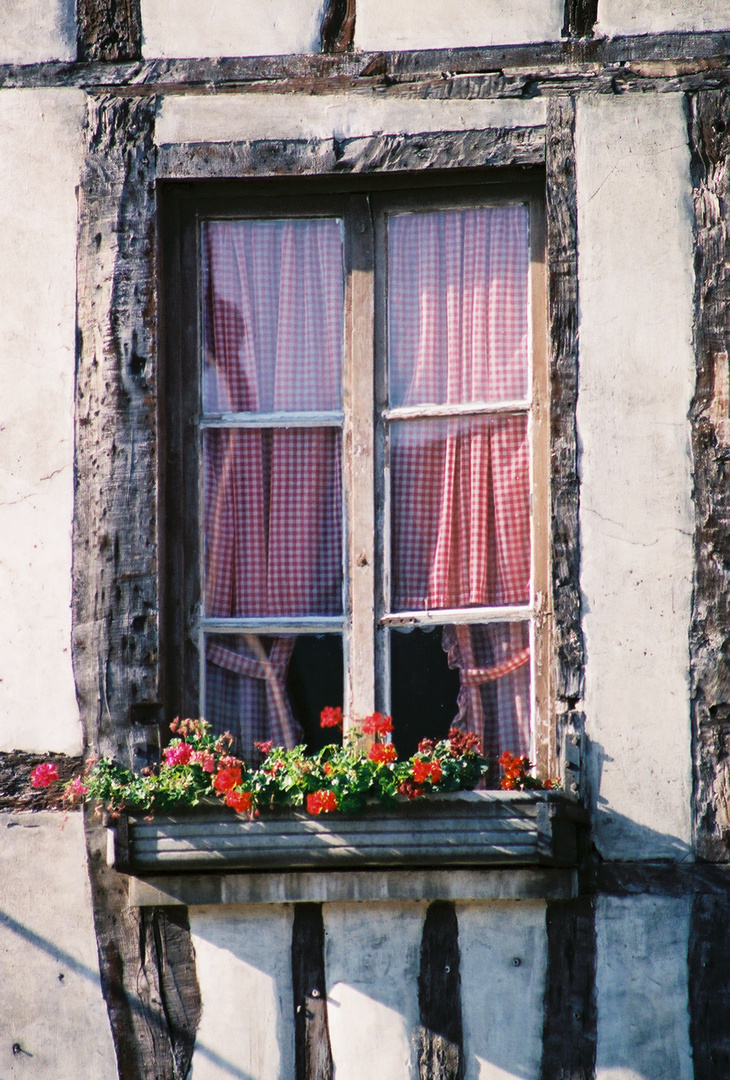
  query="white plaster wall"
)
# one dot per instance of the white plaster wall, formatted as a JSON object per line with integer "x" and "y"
{"x": 441, "y": 24}
{"x": 243, "y": 964}
{"x": 230, "y": 118}
{"x": 635, "y": 386}
{"x": 40, "y": 158}
{"x": 661, "y": 16}
{"x": 372, "y": 954}
{"x": 50, "y": 994}
{"x": 32, "y": 31}
{"x": 641, "y": 989}
{"x": 503, "y": 966}
{"x": 230, "y": 27}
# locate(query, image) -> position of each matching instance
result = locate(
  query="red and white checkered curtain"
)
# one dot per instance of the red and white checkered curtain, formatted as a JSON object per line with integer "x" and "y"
{"x": 458, "y": 333}
{"x": 273, "y": 332}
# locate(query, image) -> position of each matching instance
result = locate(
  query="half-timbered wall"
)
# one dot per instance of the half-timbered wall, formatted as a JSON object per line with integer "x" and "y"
{"x": 625, "y": 107}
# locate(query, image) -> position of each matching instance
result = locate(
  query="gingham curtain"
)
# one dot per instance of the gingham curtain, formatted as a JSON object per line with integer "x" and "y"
{"x": 458, "y": 332}
{"x": 273, "y": 295}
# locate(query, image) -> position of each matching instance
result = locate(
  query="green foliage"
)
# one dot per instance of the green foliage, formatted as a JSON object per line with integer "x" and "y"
{"x": 198, "y": 767}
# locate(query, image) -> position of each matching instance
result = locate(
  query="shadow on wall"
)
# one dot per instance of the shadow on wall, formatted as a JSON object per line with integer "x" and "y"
{"x": 623, "y": 837}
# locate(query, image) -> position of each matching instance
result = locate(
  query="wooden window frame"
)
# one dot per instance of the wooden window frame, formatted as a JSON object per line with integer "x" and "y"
{"x": 364, "y": 202}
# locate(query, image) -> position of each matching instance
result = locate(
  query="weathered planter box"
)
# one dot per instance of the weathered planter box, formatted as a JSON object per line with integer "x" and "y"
{"x": 474, "y": 828}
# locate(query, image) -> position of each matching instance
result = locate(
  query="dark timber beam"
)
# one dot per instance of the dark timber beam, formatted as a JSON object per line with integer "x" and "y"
{"x": 569, "y": 1024}
{"x": 709, "y": 987}
{"x": 439, "y": 1037}
{"x": 146, "y": 957}
{"x": 313, "y": 1056}
{"x": 338, "y": 26}
{"x": 709, "y": 134}
{"x": 580, "y": 18}
{"x": 109, "y": 29}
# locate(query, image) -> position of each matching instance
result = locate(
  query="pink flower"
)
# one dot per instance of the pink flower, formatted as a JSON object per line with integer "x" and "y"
{"x": 377, "y": 724}
{"x": 204, "y": 758}
{"x": 74, "y": 791}
{"x": 330, "y": 717}
{"x": 321, "y": 802}
{"x": 265, "y": 747}
{"x": 178, "y": 755}
{"x": 381, "y": 752}
{"x": 44, "y": 775}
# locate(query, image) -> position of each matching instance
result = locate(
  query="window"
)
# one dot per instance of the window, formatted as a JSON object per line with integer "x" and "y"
{"x": 355, "y": 471}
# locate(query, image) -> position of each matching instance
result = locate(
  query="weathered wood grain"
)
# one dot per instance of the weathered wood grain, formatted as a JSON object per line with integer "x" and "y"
{"x": 710, "y": 433}
{"x": 709, "y": 986}
{"x": 147, "y": 967}
{"x": 115, "y": 646}
{"x": 146, "y": 960}
{"x": 109, "y": 29}
{"x": 539, "y": 68}
{"x": 313, "y": 1055}
{"x": 562, "y": 256}
{"x": 380, "y": 153}
{"x": 439, "y": 1038}
{"x": 569, "y": 1020}
{"x": 337, "y": 33}
{"x": 16, "y": 792}
{"x": 580, "y": 18}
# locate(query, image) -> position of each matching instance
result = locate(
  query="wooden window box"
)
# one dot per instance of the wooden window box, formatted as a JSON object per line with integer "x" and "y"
{"x": 467, "y": 829}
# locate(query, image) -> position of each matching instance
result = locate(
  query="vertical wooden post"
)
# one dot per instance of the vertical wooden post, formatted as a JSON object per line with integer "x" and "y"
{"x": 709, "y": 986}
{"x": 313, "y": 1055}
{"x": 440, "y": 1042}
{"x": 569, "y": 1023}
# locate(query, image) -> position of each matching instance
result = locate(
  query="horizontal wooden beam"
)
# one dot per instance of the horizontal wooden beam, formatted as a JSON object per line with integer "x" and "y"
{"x": 525, "y": 62}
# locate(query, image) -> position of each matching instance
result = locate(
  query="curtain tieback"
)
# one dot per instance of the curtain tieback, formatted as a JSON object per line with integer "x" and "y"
{"x": 480, "y": 676}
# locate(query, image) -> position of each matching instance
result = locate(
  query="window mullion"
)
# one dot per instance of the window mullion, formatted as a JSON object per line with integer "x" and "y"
{"x": 359, "y": 464}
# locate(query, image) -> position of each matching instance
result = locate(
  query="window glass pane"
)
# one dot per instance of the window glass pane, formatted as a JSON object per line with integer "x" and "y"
{"x": 458, "y": 306}
{"x": 460, "y": 512}
{"x": 272, "y": 525}
{"x": 272, "y": 315}
{"x": 474, "y": 677}
{"x": 260, "y": 688}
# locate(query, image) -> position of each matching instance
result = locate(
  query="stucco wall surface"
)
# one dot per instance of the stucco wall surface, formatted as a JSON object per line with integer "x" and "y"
{"x": 439, "y": 24}
{"x": 371, "y": 961}
{"x": 50, "y": 996}
{"x": 230, "y": 27}
{"x": 636, "y": 380}
{"x": 32, "y": 31}
{"x": 641, "y": 989}
{"x": 40, "y": 159}
{"x": 503, "y": 963}
{"x": 243, "y": 964}
{"x": 229, "y": 118}
{"x": 661, "y": 16}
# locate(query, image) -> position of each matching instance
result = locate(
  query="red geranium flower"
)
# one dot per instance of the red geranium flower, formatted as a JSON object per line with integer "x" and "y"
{"x": 330, "y": 717}
{"x": 409, "y": 789}
{"x": 44, "y": 775}
{"x": 382, "y": 752}
{"x": 321, "y": 802}
{"x": 377, "y": 724}
{"x": 426, "y": 770}
{"x": 239, "y": 800}
{"x": 227, "y": 779}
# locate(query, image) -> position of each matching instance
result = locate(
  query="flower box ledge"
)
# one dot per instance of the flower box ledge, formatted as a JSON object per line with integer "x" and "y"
{"x": 463, "y": 829}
